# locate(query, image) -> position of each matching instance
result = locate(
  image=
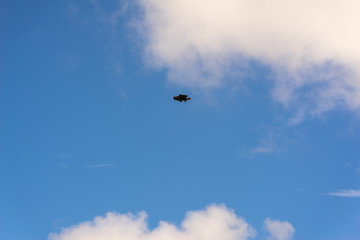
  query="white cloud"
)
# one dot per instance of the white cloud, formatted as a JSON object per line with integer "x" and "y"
{"x": 279, "y": 230}
{"x": 312, "y": 46}
{"x": 346, "y": 193}
{"x": 216, "y": 222}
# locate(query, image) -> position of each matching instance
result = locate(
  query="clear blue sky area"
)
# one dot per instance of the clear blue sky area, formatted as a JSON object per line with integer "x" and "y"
{"x": 86, "y": 127}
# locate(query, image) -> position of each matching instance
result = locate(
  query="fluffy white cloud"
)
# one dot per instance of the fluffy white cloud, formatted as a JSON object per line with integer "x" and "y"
{"x": 279, "y": 230}
{"x": 346, "y": 193}
{"x": 216, "y": 222}
{"x": 312, "y": 46}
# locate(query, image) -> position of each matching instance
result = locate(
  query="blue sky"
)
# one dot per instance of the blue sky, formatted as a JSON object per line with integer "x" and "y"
{"x": 88, "y": 124}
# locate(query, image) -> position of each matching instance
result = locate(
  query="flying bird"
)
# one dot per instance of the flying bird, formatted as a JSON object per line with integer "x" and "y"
{"x": 181, "y": 97}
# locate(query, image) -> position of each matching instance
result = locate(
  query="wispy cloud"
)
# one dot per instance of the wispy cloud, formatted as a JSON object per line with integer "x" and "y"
{"x": 346, "y": 193}
{"x": 272, "y": 140}
{"x": 100, "y": 165}
{"x": 119, "y": 10}
{"x": 299, "y": 189}
{"x": 64, "y": 165}
{"x": 347, "y": 164}
{"x": 123, "y": 94}
{"x": 71, "y": 61}
{"x": 62, "y": 161}
{"x": 116, "y": 67}
{"x": 72, "y": 9}
{"x": 267, "y": 144}
{"x": 62, "y": 156}
{"x": 268, "y": 149}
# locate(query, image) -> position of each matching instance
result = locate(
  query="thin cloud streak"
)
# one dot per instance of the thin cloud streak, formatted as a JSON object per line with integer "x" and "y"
{"x": 299, "y": 189}
{"x": 62, "y": 156}
{"x": 346, "y": 193}
{"x": 263, "y": 150}
{"x": 100, "y": 165}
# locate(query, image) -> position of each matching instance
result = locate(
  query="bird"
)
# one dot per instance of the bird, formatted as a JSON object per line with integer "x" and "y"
{"x": 182, "y": 97}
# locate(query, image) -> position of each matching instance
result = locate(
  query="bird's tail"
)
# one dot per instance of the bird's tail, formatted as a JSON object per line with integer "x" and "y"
{"x": 187, "y": 99}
